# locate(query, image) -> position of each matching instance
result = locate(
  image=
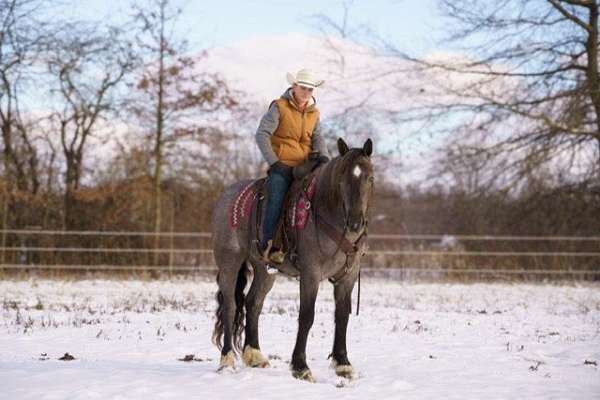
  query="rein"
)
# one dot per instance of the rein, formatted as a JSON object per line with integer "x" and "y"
{"x": 350, "y": 249}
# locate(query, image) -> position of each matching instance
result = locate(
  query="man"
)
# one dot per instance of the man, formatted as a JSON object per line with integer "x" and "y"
{"x": 287, "y": 134}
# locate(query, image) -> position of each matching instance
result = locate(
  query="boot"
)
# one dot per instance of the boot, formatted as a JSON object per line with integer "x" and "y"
{"x": 266, "y": 258}
{"x": 277, "y": 256}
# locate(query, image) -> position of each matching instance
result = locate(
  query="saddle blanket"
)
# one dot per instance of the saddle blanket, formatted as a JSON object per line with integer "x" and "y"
{"x": 242, "y": 206}
{"x": 298, "y": 211}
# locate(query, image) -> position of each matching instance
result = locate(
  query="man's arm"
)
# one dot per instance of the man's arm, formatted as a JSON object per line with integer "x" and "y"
{"x": 318, "y": 141}
{"x": 268, "y": 124}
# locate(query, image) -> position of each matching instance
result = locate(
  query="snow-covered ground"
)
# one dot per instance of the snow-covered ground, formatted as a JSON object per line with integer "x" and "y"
{"x": 410, "y": 341}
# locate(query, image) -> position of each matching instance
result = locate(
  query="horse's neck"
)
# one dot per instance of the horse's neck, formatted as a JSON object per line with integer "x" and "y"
{"x": 335, "y": 215}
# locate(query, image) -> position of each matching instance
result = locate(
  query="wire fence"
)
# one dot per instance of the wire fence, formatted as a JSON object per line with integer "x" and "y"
{"x": 392, "y": 255}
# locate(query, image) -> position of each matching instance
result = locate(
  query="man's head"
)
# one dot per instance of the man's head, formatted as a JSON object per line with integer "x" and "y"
{"x": 301, "y": 93}
{"x": 303, "y": 84}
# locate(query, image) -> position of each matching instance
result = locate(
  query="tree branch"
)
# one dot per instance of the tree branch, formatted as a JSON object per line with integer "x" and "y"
{"x": 571, "y": 17}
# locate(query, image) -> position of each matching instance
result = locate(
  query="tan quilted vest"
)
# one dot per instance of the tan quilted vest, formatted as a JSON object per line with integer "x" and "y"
{"x": 291, "y": 140}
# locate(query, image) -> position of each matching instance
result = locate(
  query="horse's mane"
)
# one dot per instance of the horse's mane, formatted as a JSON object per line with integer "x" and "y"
{"x": 334, "y": 171}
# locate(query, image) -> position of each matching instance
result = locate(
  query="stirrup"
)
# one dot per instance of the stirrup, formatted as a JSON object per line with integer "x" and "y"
{"x": 271, "y": 269}
{"x": 265, "y": 254}
{"x": 277, "y": 257}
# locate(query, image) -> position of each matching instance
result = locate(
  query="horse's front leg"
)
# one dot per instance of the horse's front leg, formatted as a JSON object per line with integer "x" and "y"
{"x": 343, "y": 307}
{"x": 309, "y": 287}
{"x": 261, "y": 285}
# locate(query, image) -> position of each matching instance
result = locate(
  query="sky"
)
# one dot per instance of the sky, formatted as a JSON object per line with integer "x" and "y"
{"x": 406, "y": 22}
{"x": 413, "y": 25}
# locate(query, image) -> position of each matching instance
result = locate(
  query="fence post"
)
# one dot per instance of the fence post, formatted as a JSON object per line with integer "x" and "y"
{"x": 171, "y": 241}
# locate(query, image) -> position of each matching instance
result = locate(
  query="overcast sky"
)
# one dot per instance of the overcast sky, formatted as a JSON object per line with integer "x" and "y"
{"x": 413, "y": 25}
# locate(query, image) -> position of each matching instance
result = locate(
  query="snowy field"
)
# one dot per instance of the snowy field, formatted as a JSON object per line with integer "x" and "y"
{"x": 410, "y": 341}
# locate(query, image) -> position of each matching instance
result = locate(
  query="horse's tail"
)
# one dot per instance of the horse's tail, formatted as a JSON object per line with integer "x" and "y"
{"x": 217, "y": 334}
{"x": 240, "y": 313}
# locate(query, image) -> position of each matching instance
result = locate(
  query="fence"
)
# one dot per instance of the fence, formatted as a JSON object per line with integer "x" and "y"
{"x": 400, "y": 256}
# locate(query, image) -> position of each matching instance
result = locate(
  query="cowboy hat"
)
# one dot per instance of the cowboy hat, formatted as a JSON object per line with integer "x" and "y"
{"x": 306, "y": 78}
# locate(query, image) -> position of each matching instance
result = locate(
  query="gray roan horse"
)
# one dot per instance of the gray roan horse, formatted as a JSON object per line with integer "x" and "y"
{"x": 328, "y": 247}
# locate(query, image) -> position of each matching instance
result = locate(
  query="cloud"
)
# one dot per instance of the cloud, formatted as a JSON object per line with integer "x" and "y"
{"x": 355, "y": 76}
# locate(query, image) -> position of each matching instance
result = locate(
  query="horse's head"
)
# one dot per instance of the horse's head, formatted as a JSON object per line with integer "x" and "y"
{"x": 353, "y": 172}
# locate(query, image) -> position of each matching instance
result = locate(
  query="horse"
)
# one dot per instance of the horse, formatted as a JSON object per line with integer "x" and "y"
{"x": 329, "y": 246}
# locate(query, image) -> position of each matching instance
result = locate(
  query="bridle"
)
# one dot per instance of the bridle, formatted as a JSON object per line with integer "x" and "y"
{"x": 351, "y": 249}
{"x": 346, "y": 213}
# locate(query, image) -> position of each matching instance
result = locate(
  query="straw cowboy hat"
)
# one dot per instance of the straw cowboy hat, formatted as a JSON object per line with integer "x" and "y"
{"x": 306, "y": 78}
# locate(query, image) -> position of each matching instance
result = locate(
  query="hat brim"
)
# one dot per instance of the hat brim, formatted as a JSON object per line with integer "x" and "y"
{"x": 292, "y": 80}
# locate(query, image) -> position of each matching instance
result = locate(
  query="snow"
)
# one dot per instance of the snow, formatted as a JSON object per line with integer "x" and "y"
{"x": 410, "y": 341}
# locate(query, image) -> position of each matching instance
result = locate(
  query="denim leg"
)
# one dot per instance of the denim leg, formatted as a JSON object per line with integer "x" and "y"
{"x": 277, "y": 187}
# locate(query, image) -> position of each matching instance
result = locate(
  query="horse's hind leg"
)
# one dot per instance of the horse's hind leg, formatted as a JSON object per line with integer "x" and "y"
{"x": 231, "y": 283}
{"x": 343, "y": 307}
{"x": 261, "y": 285}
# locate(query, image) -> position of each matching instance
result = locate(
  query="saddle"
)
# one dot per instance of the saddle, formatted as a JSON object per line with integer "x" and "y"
{"x": 250, "y": 202}
{"x": 295, "y": 213}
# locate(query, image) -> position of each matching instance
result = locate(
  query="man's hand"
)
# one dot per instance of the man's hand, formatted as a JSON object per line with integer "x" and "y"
{"x": 318, "y": 158}
{"x": 322, "y": 160}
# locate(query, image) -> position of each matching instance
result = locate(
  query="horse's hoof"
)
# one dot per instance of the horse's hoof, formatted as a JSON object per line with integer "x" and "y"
{"x": 227, "y": 362}
{"x": 304, "y": 375}
{"x": 254, "y": 358}
{"x": 345, "y": 371}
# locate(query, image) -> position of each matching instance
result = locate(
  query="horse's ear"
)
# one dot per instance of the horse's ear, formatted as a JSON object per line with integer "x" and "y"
{"x": 342, "y": 146}
{"x": 368, "y": 148}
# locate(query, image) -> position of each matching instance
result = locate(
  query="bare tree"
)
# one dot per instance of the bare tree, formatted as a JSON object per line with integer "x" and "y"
{"x": 176, "y": 96}
{"x": 23, "y": 36}
{"x": 525, "y": 94}
{"x": 87, "y": 68}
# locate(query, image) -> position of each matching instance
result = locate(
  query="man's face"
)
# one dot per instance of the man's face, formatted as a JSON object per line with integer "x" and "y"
{"x": 301, "y": 93}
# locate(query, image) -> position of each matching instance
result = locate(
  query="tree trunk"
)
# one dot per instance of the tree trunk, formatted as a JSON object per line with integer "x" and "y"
{"x": 592, "y": 70}
{"x": 159, "y": 141}
{"x": 72, "y": 177}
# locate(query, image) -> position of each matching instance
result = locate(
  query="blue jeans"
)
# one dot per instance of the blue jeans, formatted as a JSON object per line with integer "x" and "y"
{"x": 278, "y": 185}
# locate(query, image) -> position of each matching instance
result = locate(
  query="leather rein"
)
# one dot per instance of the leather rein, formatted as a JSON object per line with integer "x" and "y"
{"x": 349, "y": 248}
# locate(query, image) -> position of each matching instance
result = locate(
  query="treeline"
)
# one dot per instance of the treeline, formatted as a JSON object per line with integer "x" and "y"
{"x": 539, "y": 210}
{"x": 125, "y": 206}
{"x": 542, "y": 228}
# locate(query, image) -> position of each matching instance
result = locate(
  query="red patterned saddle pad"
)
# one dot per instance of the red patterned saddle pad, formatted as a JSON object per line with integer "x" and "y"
{"x": 299, "y": 213}
{"x": 242, "y": 206}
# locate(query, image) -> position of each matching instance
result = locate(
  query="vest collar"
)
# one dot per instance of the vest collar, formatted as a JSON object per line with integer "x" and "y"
{"x": 310, "y": 107}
